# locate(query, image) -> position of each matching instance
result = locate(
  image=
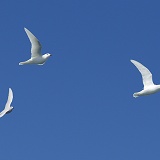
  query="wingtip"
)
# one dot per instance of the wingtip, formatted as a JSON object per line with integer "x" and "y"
{"x": 133, "y": 61}
{"x": 10, "y": 90}
{"x": 25, "y": 29}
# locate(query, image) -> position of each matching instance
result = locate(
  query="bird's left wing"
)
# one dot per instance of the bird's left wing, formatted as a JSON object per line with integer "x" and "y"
{"x": 35, "y": 44}
{"x": 146, "y": 74}
{"x": 9, "y": 101}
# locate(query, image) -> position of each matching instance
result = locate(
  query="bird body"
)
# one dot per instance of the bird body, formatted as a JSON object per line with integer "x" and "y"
{"x": 36, "y": 60}
{"x": 147, "y": 91}
{"x": 36, "y": 56}
{"x": 149, "y": 86}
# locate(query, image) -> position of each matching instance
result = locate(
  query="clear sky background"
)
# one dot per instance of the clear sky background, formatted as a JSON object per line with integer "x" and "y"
{"x": 79, "y": 105}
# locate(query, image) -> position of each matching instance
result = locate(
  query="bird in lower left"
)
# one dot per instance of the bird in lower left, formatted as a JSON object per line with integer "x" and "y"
{"x": 8, "y": 108}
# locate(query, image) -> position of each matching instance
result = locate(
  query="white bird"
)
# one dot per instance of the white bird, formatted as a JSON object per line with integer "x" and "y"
{"x": 8, "y": 108}
{"x": 36, "y": 56}
{"x": 149, "y": 86}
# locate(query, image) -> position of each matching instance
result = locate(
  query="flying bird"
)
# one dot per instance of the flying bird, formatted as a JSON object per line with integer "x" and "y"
{"x": 149, "y": 86}
{"x": 8, "y": 108}
{"x": 36, "y": 56}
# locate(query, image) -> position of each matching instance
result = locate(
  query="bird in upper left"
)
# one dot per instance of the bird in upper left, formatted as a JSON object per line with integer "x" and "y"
{"x": 149, "y": 86}
{"x": 36, "y": 55}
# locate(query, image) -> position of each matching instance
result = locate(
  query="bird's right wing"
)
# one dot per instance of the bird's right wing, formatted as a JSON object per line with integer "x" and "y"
{"x": 9, "y": 101}
{"x": 35, "y": 44}
{"x": 146, "y": 74}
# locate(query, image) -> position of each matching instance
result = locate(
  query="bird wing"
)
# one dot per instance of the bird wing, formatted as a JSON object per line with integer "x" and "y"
{"x": 35, "y": 44}
{"x": 2, "y": 113}
{"x": 9, "y": 101}
{"x": 146, "y": 74}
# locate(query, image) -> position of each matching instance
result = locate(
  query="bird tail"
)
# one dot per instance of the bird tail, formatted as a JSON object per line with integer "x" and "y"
{"x": 25, "y": 62}
{"x": 135, "y": 95}
{"x": 21, "y": 63}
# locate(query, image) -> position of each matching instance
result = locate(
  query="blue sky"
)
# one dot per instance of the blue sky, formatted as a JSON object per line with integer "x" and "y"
{"x": 79, "y": 105}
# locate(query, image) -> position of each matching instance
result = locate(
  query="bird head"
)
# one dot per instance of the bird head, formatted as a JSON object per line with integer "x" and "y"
{"x": 47, "y": 55}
